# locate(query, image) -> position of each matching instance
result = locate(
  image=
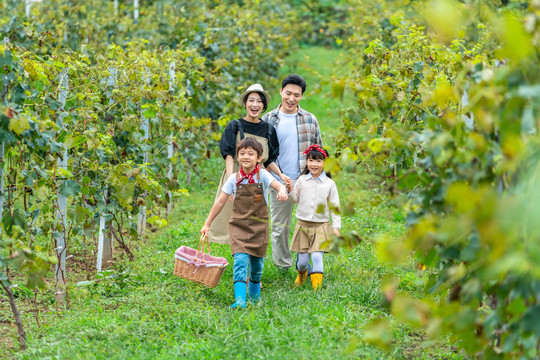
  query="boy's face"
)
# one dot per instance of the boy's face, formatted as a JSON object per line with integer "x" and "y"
{"x": 290, "y": 97}
{"x": 248, "y": 158}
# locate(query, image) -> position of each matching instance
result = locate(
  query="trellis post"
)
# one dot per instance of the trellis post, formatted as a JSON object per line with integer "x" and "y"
{"x": 105, "y": 245}
{"x": 28, "y": 5}
{"x": 170, "y": 148}
{"x": 528, "y": 126}
{"x": 145, "y": 126}
{"x": 468, "y": 119}
{"x": 2, "y": 146}
{"x": 60, "y": 237}
{"x": 136, "y": 10}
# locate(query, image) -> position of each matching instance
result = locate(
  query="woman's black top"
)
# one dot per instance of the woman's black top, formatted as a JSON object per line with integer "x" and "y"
{"x": 262, "y": 129}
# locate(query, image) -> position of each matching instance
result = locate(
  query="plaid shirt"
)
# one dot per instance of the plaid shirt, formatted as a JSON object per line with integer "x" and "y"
{"x": 308, "y": 131}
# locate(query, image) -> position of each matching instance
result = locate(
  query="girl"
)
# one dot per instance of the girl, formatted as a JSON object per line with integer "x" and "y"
{"x": 248, "y": 226}
{"x": 317, "y": 196}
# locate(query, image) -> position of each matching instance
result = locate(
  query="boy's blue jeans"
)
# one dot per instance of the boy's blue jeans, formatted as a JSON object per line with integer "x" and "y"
{"x": 240, "y": 267}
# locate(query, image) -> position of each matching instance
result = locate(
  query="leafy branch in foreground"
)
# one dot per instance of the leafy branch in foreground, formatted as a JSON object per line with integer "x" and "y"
{"x": 449, "y": 116}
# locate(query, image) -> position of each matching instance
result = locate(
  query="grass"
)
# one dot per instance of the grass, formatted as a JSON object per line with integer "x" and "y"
{"x": 139, "y": 310}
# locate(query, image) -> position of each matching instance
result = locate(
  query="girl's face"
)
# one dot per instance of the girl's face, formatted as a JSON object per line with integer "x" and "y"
{"x": 315, "y": 166}
{"x": 254, "y": 106}
{"x": 248, "y": 158}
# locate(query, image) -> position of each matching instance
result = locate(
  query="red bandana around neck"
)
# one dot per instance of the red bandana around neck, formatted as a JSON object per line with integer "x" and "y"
{"x": 249, "y": 176}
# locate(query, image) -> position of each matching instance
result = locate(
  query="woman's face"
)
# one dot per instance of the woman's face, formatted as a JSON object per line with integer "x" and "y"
{"x": 254, "y": 106}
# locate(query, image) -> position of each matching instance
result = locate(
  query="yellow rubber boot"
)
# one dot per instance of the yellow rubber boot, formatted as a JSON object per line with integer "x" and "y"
{"x": 316, "y": 280}
{"x": 301, "y": 278}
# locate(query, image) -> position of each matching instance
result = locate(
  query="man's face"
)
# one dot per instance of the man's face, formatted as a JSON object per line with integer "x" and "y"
{"x": 290, "y": 97}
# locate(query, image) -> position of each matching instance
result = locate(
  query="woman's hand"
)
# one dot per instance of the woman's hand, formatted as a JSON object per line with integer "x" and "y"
{"x": 336, "y": 232}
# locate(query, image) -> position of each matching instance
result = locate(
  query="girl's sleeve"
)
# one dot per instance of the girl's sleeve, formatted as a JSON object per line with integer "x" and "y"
{"x": 227, "y": 144}
{"x": 333, "y": 202}
{"x": 273, "y": 145}
{"x": 295, "y": 193}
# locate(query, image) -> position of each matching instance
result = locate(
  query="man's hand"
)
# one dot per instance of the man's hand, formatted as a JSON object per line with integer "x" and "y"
{"x": 336, "y": 232}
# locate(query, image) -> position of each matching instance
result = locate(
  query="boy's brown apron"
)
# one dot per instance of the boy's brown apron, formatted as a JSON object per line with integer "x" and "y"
{"x": 219, "y": 231}
{"x": 249, "y": 226}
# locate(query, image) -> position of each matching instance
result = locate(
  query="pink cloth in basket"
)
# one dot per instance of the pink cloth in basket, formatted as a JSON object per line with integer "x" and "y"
{"x": 190, "y": 255}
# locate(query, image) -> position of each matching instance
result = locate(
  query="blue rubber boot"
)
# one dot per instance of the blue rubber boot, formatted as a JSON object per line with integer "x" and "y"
{"x": 254, "y": 291}
{"x": 309, "y": 270}
{"x": 240, "y": 294}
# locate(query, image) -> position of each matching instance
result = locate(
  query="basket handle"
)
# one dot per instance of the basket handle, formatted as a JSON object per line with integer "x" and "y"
{"x": 196, "y": 261}
{"x": 204, "y": 240}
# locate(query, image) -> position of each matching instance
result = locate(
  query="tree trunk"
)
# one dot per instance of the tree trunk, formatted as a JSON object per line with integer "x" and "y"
{"x": 22, "y": 334}
{"x": 119, "y": 238}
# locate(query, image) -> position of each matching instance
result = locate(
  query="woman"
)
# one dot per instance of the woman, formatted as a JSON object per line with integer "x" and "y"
{"x": 255, "y": 100}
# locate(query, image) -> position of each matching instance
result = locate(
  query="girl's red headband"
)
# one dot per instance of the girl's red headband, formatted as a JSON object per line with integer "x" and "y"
{"x": 316, "y": 148}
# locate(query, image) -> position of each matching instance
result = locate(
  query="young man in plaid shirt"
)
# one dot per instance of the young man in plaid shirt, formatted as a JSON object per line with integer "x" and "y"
{"x": 297, "y": 130}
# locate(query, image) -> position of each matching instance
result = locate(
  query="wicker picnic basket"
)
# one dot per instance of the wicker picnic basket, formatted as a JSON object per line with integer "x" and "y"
{"x": 198, "y": 266}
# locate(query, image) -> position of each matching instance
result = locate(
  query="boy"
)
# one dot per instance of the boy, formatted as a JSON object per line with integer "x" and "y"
{"x": 248, "y": 226}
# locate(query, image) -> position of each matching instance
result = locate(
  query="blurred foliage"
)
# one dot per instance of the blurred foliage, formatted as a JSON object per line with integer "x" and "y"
{"x": 321, "y": 22}
{"x": 448, "y": 109}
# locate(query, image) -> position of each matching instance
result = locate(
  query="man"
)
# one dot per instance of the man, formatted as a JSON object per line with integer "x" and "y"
{"x": 297, "y": 130}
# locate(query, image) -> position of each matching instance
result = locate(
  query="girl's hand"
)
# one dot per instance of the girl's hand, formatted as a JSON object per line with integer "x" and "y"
{"x": 287, "y": 180}
{"x": 336, "y": 232}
